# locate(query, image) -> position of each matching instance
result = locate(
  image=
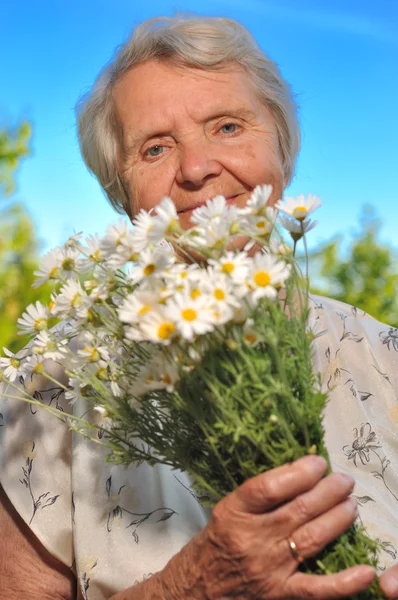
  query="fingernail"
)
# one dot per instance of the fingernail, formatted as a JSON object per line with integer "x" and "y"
{"x": 350, "y": 480}
{"x": 351, "y": 505}
{"x": 317, "y": 463}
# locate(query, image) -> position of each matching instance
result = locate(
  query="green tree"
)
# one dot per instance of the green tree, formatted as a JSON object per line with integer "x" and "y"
{"x": 19, "y": 248}
{"x": 14, "y": 145}
{"x": 365, "y": 275}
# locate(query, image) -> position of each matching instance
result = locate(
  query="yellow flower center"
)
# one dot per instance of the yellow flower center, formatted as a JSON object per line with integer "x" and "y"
{"x": 93, "y": 354}
{"x": 102, "y": 374}
{"x": 40, "y": 324}
{"x": 146, "y": 308}
{"x": 165, "y": 330}
{"x": 195, "y": 293}
{"x": 68, "y": 264}
{"x": 261, "y": 224}
{"x": 76, "y": 301}
{"x": 184, "y": 274}
{"x": 54, "y": 273}
{"x": 250, "y": 337}
{"x": 189, "y": 314}
{"x": 219, "y": 294}
{"x": 300, "y": 212}
{"x": 228, "y": 268}
{"x": 149, "y": 269}
{"x": 262, "y": 279}
{"x": 14, "y": 362}
{"x": 96, "y": 255}
{"x": 166, "y": 379}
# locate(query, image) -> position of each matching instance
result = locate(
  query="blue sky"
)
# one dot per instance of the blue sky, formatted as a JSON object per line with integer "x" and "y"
{"x": 340, "y": 57}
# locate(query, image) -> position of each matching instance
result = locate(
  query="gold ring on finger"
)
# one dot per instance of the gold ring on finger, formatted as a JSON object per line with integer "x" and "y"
{"x": 293, "y": 549}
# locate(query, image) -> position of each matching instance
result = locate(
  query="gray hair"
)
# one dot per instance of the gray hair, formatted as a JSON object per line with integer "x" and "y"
{"x": 210, "y": 43}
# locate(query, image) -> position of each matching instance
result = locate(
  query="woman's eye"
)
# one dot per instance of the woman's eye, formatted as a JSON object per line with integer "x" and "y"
{"x": 155, "y": 151}
{"x": 229, "y": 128}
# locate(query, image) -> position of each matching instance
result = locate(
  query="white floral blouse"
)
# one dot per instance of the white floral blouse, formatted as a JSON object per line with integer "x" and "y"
{"x": 116, "y": 526}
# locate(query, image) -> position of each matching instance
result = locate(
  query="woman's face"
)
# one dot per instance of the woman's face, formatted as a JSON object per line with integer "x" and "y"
{"x": 192, "y": 134}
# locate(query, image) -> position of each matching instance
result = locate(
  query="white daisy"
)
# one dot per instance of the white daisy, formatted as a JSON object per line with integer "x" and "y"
{"x": 179, "y": 277}
{"x": 214, "y": 236}
{"x": 222, "y": 300}
{"x": 34, "y": 364}
{"x": 138, "y": 304}
{"x": 192, "y": 317}
{"x": 235, "y": 266}
{"x": 165, "y": 221}
{"x": 70, "y": 298}
{"x": 151, "y": 263}
{"x": 92, "y": 351}
{"x": 142, "y": 226}
{"x": 115, "y": 235}
{"x": 299, "y": 208}
{"x": 296, "y": 228}
{"x": 75, "y": 391}
{"x": 13, "y": 367}
{"x": 156, "y": 326}
{"x": 49, "y": 347}
{"x": 260, "y": 225}
{"x": 92, "y": 251}
{"x": 35, "y": 319}
{"x": 49, "y": 267}
{"x": 266, "y": 274}
{"x": 70, "y": 263}
{"x": 258, "y": 202}
{"x": 214, "y": 210}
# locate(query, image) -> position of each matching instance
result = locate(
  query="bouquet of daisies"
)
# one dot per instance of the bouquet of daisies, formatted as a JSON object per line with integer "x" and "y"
{"x": 195, "y": 352}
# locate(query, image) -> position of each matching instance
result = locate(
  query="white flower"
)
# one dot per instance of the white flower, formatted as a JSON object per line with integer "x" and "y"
{"x": 143, "y": 225}
{"x": 151, "y": 263}
{"x": 49, "y": 267}
{"x": 235, "y": 266}
{"x": 92, "y": 251}
{"x": 70, "y": 263}
{"x": 165, "y": 222}
{"x": 214, "y": 210}
{"x": 76, "y": 390}
{"x": 34, "y": 364}
{"x": 49, "y": 347}
{"x": 266, "y": 274}
{"x": 296, "y": 228}
{"x": 115, "y": 235}
{"x": 92, "y": 351}
{"x": 179, "y": 277}
{"x": 70, "y": 298}
{"x": 13, "y": 367}
{"x": 192, "y": 317}
{"x": 258, "y": 202}
{"x": 156, "y": 327}
{"x": 222, "y": 300}
{"x": 35, "y": 319}
{"x": 260, "y": 225}
{"x": 300, "y": 207}
{"x": 136, "y": 305}
{"x": 214, "y": 236}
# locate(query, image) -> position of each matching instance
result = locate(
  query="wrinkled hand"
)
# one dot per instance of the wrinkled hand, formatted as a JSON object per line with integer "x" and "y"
{"x": 244, "y": 551}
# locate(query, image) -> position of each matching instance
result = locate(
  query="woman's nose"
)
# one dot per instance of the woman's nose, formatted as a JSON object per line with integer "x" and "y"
{"x": 196, "y": 165}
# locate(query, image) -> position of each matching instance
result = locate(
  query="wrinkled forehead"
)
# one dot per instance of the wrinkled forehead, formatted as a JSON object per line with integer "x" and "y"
{"x": 157, "y": 95}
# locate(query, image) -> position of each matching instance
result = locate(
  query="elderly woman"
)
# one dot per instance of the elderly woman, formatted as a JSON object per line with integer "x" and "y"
{"x": 191, "y": 108}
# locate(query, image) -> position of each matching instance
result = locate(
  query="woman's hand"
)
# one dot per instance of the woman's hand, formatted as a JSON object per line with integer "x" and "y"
{"x": 256, "y": 536}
